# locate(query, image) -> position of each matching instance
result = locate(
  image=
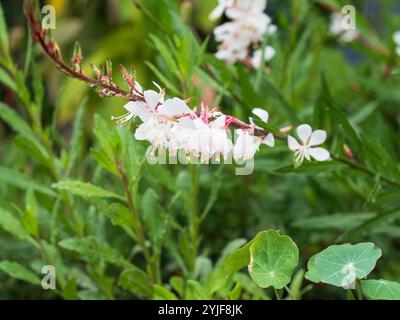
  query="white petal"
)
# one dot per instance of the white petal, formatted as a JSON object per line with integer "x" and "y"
{"x": 293, "y": 144}
{"x": 185, "y": 123}
{"x": 269, "y": 53}
{"x": 319, "y": 154}
{"x": 138, "y": 109}
{"x": 218, "y": 123}
{"x": 317, "y": 137}
{"x": 217, "y": 12}
{"x": 262, "y": 114}
{"x": 141, "y": 132}
{"x": 269, "y": 140}
{"x": 304, "y": 132}
{"x": 173, "y": 107}
{"x": 396, "y": 38}
{"x": 152, "y": 98}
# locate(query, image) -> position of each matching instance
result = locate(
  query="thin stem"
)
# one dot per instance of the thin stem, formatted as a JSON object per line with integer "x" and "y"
{"x": 290, "y": 293}
{"x": 139, "y": 230}
{"x": 362, "y": 168}
{"x": 359, "y": 291}
{"x": 350, "y": 295}
{"x": 277, "y": 295}
{"x": 194, "y": 219}
{"x": 53, "y": 51}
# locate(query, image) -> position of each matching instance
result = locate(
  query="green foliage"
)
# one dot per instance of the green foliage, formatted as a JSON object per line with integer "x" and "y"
{"x": 17, "y": 271}
{"x": 76, "y": 191}
{"x": 341, "y": 265}
{"x": 381, "y": 289}
{"x": 273, "y": 258}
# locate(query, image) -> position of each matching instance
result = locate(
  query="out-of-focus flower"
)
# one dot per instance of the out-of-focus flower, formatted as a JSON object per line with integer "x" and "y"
{"x": 248, "y": 26}
{"x": 396, "y": 39}
{"x": 220, "y": 8}
{"x": 308, "y": 140}
{"x": 337, "y": 29}
{"x": 257, "y": 59}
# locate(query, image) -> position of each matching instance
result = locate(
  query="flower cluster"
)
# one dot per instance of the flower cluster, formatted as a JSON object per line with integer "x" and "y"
{"x": 170, "y": 125}
{"x": 337, "y": 29}
{"x": 247, "y": 28}
{"x": 396, "y": 39}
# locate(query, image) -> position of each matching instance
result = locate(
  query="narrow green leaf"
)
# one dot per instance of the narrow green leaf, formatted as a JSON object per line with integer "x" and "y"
{"x": 93, "y": 250}
{"x": 136, "y": 281}
{"x": 7, "y": 80}
{"x": 84, "y": 189}
{"x": 19, "y": 272}
{"x": 15, "y": 121}
{"x": 12, "y": 225}
{"x": 161, "y": 293}
{"x": 337, "y": 221}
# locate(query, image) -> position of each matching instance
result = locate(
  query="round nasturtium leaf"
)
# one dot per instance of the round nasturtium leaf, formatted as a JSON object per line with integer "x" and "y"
{"x": 381, "y": 289}
{"x": 341, "y": 265}
{"x": 273, "y": 258}
{"x": 312, "y": 273}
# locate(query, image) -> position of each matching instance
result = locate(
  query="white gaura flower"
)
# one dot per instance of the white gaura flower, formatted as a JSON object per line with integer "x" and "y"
{"x": 269, "y": 139}
{"x": 396, "y": 39}
{"x": 308, "y": 139}
{"x": 247, "y": 144}
{"x": 336, "y": 29}
{"x": 249, "y": 25}
{"x": 220, "y": 8}
{"x": 257, "y": 59}
{"x": 142, "y": 109}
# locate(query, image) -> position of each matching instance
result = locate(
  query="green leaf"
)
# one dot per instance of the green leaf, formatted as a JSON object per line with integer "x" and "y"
{"x": 15, "y": 121}
{"x": 6, "y": 79}
{"x": 165, "y": 54}
{"x": 326, "y": 111}
{"x": 337, "y": 221}
{"x": 312, "y": 273}
{"x": 121, "y": 216}
{"x": 136, "y": 281}
{"x": 195, "y": 291}
{"x": 4, "y": 48}
{"x": 12, "y": 224}
{"x": 29, "y": 217}
{"x": 341, "y": 265}
{"x": 225, "y": 270}
{"x": 19, "y": 272}
{"x": 311, "y": 168}
{"x": 37, "y": 85}
{"x": 109, "y": 141}
{"x": 77, "y": 136}
{"x": 162, "y": 78}
{"x": 84, "y": 189}
{"x": 381, "y": 289}
{"x": 273, "y": 259}
{"x": 31, "y": 147}
{"x": 161, "y": 293}
{"x": 22, "y": 181}
{"x": 153, "y": 216}
{"x": 370, "y": 224}
{"x": 70, "y": 289}
{"x": 93, "y": 250}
